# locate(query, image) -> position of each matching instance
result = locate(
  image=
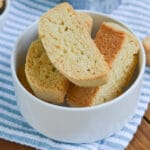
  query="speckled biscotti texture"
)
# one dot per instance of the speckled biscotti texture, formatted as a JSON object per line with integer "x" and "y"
{"x": 86, "y": 20}
{"x": 120, "y": 49}
{"x": 70, "y": 48}
{"x": 45, "y": 81}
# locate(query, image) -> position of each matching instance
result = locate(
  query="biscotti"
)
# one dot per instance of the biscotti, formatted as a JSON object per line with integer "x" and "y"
{"x": 120, "y": 50}
{"x": 146, "y": 44}
{"x": 44, "y": 79}
{"x": 70, "y": 48}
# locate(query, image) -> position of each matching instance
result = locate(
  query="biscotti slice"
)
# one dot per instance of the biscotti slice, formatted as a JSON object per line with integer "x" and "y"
{"x": 70, "y": 48}
{"x": 146, "y": 44}
{"x": 44, "y": 79}
{"x": 120, "y": 49}
{"x": 86, "y": 20}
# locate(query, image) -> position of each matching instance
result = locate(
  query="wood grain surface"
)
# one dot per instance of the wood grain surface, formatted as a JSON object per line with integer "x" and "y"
{"x": 141, "y": 140}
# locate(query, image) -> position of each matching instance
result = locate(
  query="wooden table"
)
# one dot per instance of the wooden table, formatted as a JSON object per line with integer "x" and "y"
{"x": 141, "y": 140}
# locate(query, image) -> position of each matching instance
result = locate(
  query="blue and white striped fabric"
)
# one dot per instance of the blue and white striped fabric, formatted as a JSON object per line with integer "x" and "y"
{"x": 13, "y": 127}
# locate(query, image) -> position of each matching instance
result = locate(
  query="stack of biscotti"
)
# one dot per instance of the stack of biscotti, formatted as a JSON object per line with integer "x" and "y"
{"x": 44, "y": 79}
{"x": 46, "y": 91}
{"x": 120, "y": 49}
{"x": 65, "y": 56}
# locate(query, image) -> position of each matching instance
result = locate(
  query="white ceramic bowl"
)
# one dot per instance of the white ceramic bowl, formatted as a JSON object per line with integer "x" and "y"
{"x": 4, "y": 14}
{"x": 75, "y": 125}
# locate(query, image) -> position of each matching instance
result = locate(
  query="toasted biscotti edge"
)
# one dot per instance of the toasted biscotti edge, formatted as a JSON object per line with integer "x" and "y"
{"x": 22, "y": 77}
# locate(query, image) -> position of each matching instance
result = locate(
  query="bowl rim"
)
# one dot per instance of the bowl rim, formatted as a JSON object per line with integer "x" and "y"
{"x": 6, "y": 9}
{"x": 79, "y": 109}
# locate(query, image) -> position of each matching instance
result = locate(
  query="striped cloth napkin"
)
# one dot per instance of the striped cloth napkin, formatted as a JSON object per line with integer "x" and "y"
{"x": 13, "y": 127}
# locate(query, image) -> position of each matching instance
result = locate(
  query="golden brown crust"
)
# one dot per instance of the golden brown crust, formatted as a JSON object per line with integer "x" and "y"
{"x": 23, "y": 79}
{"x": 1, "y": 4}
{"x": 109, "y": 42}
{"x": 80, "y": 96}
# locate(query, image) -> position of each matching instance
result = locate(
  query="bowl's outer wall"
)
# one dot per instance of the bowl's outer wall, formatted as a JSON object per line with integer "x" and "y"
{"x": 72, "y": 125}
